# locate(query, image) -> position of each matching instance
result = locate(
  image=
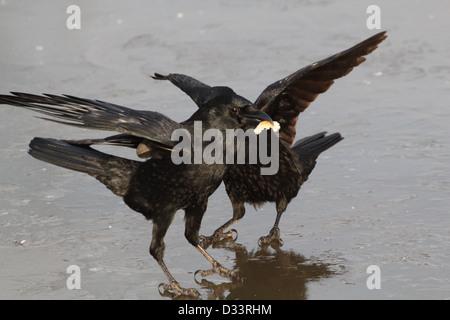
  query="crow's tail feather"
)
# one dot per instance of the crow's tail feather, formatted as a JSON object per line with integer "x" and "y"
{"x": 311, "y": 147}
{"x": 112, "y": 171}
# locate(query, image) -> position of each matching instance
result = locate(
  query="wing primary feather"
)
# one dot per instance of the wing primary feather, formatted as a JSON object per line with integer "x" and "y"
{"x": 285, "y": 99}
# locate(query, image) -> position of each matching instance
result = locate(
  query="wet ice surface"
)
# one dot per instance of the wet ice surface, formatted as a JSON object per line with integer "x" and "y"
{"x": 380, "y": 197}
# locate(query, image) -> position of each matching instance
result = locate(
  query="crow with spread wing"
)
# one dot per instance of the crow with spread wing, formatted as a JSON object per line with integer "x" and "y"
{"x": 283, "y": 101}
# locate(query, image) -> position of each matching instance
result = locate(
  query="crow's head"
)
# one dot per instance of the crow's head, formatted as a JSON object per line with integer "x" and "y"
{"x": 227, "y": 110}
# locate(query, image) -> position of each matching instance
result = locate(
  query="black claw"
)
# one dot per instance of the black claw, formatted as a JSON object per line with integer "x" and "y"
{"x": 235, "y": 232}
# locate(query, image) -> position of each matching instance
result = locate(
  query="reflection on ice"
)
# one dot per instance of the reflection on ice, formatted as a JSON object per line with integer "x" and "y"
{"x": 269, "y": 274}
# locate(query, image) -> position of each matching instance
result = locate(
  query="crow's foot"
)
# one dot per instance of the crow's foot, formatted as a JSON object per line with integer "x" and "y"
{"x": 272, "y": 238}
{"x": 175, "y": 289}
{"x": 220, "y": 270}
{"x": 219, "y": 235}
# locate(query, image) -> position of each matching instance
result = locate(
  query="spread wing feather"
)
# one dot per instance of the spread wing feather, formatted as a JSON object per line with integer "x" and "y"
{"x": 285, "y": 99}
{"x": 96, "y": 114}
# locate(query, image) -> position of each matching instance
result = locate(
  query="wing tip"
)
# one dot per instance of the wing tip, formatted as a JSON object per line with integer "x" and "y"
{"x": 374, "y": 41}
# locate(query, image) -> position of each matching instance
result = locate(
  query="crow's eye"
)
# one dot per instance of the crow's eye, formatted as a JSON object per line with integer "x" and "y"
{"x": 235, "y": 110}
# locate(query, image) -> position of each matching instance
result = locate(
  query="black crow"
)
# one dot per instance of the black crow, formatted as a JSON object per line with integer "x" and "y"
{"x": 158, "y": 187}
{"x": 283, "y": 101}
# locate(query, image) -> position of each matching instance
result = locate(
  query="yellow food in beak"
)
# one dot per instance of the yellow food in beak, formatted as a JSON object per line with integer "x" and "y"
{"x": 265, "y": 125}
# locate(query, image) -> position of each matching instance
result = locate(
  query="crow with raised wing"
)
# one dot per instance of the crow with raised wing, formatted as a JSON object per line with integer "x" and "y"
{"x": 283, "y": 101}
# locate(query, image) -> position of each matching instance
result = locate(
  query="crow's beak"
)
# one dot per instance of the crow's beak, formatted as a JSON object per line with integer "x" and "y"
{"x": 252, "y": 116}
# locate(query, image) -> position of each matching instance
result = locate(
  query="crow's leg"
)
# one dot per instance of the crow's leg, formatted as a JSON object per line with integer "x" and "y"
{"x": 160, "y": 226}
{"x": 220, "y": 234}
{"x": 193, "y": 219}
{"x": 274, "y": 235}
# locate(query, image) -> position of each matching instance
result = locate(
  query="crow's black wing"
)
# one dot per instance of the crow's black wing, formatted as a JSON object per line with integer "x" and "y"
{"x": 121, "y": 140}
{"x": 285, "y": 99}
{"x": 197, "y": 90}
{"x": 95, "y": 114}
{"x": 144, "y": 148}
